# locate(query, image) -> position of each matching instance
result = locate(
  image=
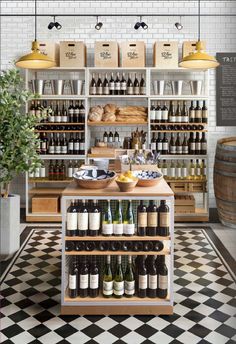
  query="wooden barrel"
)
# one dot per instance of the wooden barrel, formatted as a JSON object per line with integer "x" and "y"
{"x": 225, "y": 180}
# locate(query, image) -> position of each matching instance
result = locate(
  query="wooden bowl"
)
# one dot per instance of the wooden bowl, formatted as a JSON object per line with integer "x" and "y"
{"x": 94, "y": 179}
{"x": 126, "y": 186}
{"x": 148, "y": 178}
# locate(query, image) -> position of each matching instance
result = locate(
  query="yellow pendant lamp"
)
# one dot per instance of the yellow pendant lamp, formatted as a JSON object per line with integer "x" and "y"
{"x": 35, "y": 59}
{"x": 199, "y": 59}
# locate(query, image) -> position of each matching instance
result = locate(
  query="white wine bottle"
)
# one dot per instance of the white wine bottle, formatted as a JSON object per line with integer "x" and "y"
{"x": 107, "y": 225}
{"x": 129, "y": 279}
{"x": 107, "y": 282}
{"x": 129, "y": 220}
{"x": 118, "y": 226}
{"x": 118, "y": 279}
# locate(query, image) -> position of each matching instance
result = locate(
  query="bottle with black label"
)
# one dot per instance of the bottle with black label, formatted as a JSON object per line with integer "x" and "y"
{"x": 129, "y": 288}
{"x": 107, "y": 224}
{"x": 192, "y": 113}
{"x": 83, "y": 220}
{"x": 152, "y": 277}
{"x": 152, "y": 218}
{"x": 107, "y": 280}
{"x": 141, "y": 219}
{"x": 71, "y": 220}
{"x": 203, "y": 144}
{"x": 129, "y": 223}
{"x": 105, "y": 86}
{"x": 118, "y": 283}
{"x": 142, "y": 85}
{"x": 198, "y": 113}
{"x": 118, "y": 226}
{"x": 162, "y": 277}
{"x": 204, "y": 112}
{"x": 142, "y": 277}
{"x": 93, "y": 278}
{"x": 112, "y": 85}
{"x": 73, "y": 280}
{"x": 94, "y": 219}
{"x": 83, "y": 278}
{"x": 123, "y": 85}
{"x": 93, "y": 86}
{"x": 163, "y": 219}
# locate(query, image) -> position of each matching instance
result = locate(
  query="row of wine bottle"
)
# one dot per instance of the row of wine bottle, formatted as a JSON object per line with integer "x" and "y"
{"x": 135, "y": 246}
{"x": 195, "y": 170}
{"x": 56, "y": 170}
{"x": 177, "y": 127}
{"x": 144, "y": 277}
{"x": 196, "y": 113}
{"x": 59, "y": 144}
{"x": 104, "y": 85}
{"x": 88, "y": 219}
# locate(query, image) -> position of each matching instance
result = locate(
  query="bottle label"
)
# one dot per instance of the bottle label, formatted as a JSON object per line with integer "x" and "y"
{"x": 204, "y": 114}
{"x": 37, "y": 173}
{"x": 165, "y": 115}
{"x": 83, "y": 221}
{"x": 71, "y": 145}
{"x": 178, "y": 172}
{"x": 118, "y": 288}
{"x": 129, "y": 228}
{"x": 164, "y": 219}
{"x": 153, "y": 146}
{"x": 158, "y": 114}
{"x": 142, "y": 281}
{"x": 72, "y": 281}
{"x": 71, "y": 219}
{"x": 184, "y": 172}
{"x": 185, "y": 119}
{"x": 198, "y": 113}
{"x": 51, "y": 118}
{"x": 107, "y": 288}
{"x": 172, "y": 119}
{"x": 204, "y": 146}
{"x": 198, "y": 146}
{"x": 143, "y": 90}
{"x": 164, "y": 171}
{"x": 106, "y": 90}
{"x": 152, "y": 115}
{"x": 43, "y": 145}
{"x": 204, "y": 171}
{"x": 64, "y": 149}
{"x": 99, "y": 90}
{"x": 178, "y": 119}
{"x": 159, "y": 146}
{"x": 163, "y": 282}
{"x": 136, "y": 90}
{"x": 142, "y": 219}
{"x": 93, "y": 281}
{"x": 129, "y": 287}
{"x": 94, "y": 221}
{"x": 116, "y": 139}
{"x": 58, "y": 149}
{"x": 92, "y": 90}
{"x": 152, "y": 281}
{"x": 82, "y": 146}
{"x": 51, "y": 150}
{"x": 192, "y": 146}
{"x": 192, "y": 114}
{"x": 172, "y": 149}
{"x": 179, "y": 149}
{"x": 70, "y": 172}
{"x": 165, "y": 146}
{"x": 76, "y": 146}
{"x": 172, "y": 172}
{"x": 198, "y": 171}
{"x": 42, "y": 172}
{"x": 117, "y": 86}
{"x": 129, "y": 90}
{"x": 107, "y": 228}
{"x": 123, "y": 86}
{"x": 64, "y": 119}
{"x": 84, "y": 281}
{"x": 185, "y": 149}
{"x": 152, "y": 219}
{"x": 118, "y": 228}
{"x": 192, "y": 171}
{"x": 58, "y": 119}
{"x": 112, "y": 86}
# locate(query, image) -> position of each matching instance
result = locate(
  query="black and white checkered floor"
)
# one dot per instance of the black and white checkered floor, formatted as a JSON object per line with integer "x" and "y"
{"x": 204, "y": 294}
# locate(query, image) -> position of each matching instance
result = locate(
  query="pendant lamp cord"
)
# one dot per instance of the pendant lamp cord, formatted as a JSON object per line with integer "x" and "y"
{"x": 199, "y": 19}
{"x": 35, "y": 20}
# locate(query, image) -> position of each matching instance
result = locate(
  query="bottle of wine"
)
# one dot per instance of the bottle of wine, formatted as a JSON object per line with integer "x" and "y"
{"x": 71, "y": 220}
{"x": 197, "y": 170}
{"x": 158, "y": 246}
{"x": 142, "y": 278}
{"x": 178, "y": 116}
{"x": 117, "y": 84}
{"x": 123, "y": 85}
{"x": 184, "y": 113}
{"x": 192, "y": 169}
{"x": 171, "y": 114}
{"x": 76, "y": 113}
{"x": 76, "y": 144}
{"x": 178, "y": 145}
{"x": 136, "y": 85}
{"x": 110, "y": 137}
{"x": 152, "y": 113}
{"x": 71, "y": 144}
{"x": 57, "y": 144}
{"x": 172, "y": 170}
{"x": 152, "y": 219}
{"x": 107, "y": 282}
{"x": 137, "y": 246}
{"x": 129, "y": 279}
{"x": 142, "y": 85}
{"x": 203, "y": 170}
{"x": 164, "y": 169}
{"x": 164, "y": 219}
{"x": 116, "y": 137}
{"x": 152, "y": 278}
{"x": 158, "y": 114}
{"x": 105, "y": 85}
{"x": 185, "y": 148}
{"x": 115, "y": 245}
{"x": 69, "y": 246}
{"x": 197, "y": 144}
{"x": 93, "y": 278}
{"x": 130, "y": 88}
{"x": 172, "y": 144}
{"x": 73, "y": 280}
{"x": 178, "y": 170}
{"x": 71, "y": 112}
{"x": 192, "y": 113}
{"x": 203, "y": 144}
{"x": 159, "y": 143}
{"x": 64, "y": 115}
{"x": 99, "y": 86}
{"x": 83, "y": 278}
{"x": 162, "y": 277}
{"x": 93, "y": 86}
{"x": 103, "y": 246}
{"x": 112, "y": 85}
{"x": 204, "y": 112}
{"x": 83, "y": 220}
{"x": 184, "y": 170}
{"x": 64, "y": 144}
{"x": 105, "y": 137}
{"x": 107, "y": 225}
{"x": 118, "y": 226}
{"x": 80, "y": 246}
{"x": 118, "y": 283}
{"x": 94, "y": 219}
{"x": 147, "y": 246}
{"x": 129, "y": 220}
{"x": 164, "y": 114}
{"x": 165, "y": 145}
{"x": 192, "y": 144}
{"x": 90, "y": 246}
{"x": 141, "y": 219}
{"x": 127, "y": 246}
{"x": 198, "y": 113}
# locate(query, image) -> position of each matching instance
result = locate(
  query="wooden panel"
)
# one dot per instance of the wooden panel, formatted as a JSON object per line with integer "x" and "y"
{"x": 51, "y": 191}
{"x": 45, "y": 204}
{"x": 51, "y": 218}
{"x": 101, "y": 298}
{"x": 116, "y": 253}
{"x": 120, "y": 238}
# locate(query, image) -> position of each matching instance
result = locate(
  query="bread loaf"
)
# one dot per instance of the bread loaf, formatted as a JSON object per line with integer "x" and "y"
{"x": 109, "y": 117}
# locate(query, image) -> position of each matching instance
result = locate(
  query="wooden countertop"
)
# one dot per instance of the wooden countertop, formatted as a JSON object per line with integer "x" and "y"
{"x": 161, "y": 189}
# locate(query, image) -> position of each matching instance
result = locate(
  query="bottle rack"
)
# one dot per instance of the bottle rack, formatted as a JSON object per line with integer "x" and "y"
{"x": 135, "y": 304}
{"x": 92, "y": 128}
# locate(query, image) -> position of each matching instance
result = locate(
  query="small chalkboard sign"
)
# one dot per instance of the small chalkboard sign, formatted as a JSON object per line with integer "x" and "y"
{"x": 226, "y": 89}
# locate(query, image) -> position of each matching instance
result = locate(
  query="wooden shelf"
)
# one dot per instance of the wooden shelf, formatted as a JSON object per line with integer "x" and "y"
{"x": 200, "y": 215}
{"x": 185, "y": 180}
{"x": 61, "y": 97}
{"x": 182, "y": 156}
{"x": 43, "y": 191}
{"x": 60, "y": 123}
{"x": 105, "y": 156}
{"x": 98, "y": 124}
{"x": 37, "y": 217}
{"x": 59, "y": 131}
{"x": 118, "y": 238}
{"x": 118, "y": 96}
{"x": 61, "y": 156}
{"x": 45, "y": 180}
{"x": 117, "y": 253}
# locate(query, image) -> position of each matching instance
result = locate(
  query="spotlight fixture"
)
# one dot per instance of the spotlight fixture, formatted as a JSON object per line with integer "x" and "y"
{"x": 141, "y": 24}
{"x": 178, "y": 25}
{"x": 53, "y": 24}
{"x": 98, "y": 25}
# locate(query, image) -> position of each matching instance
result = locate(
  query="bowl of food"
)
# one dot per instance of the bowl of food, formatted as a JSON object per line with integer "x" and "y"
{"x": 94, "y": 178}
{"x": 126, "y": 181}
{"x": 147, "y": 178}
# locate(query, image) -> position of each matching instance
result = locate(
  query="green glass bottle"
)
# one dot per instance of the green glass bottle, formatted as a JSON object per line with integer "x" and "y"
{"x": 107, "y": 282}
{"x": 129, "y": 223}
{"x": 118, "y": 279}
{"x": 129, "y": 279}
{"x": 107, "y": 226}
{"x": 118, "y": 226}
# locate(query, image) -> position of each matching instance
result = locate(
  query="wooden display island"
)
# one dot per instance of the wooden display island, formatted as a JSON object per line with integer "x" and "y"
{"x": 100, "y": 304}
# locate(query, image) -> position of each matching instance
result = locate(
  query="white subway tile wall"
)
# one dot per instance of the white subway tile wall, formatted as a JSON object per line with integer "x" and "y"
{"x": 219, "y": 32}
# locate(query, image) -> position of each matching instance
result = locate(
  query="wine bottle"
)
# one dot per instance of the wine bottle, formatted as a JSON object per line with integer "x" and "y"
{"x": 171, "y": 114}
{"x": 142, "y": 85}
{"x": 123, "y": 85}
{"x": 50, "y": 170}
{"x": 198, "y": 113}
{"x": 51, "y": 147}
{"x": 118, "y": 283}
{"x": 164, "y": 114}
{"x": 152, "y": 278}
{"x": 184, "y": 113}
{"x": 129, "y": 289}
{"x": 64, "y": 144}
{"x": 115, "y": 245}
{"x": 172, "y": 170}
{"x": 93, "y": 86}
{"x": 71, "y": 220}
{"x": 162, "y": 277}
{"x": 192, "y": 144}
{"x": 57, "y": 144}
{"x": 152, "y": 219}
{"x": 107, "y": 226}
{"x": 99, "y": 89}
{"x": 137, "y": 246}
{"x": 73, "y": 280}
{"x": 192, "y": 169}
{"x": 80, "y": 246}
{"x": 136, "y": 85}
{"x": 83, "y": 220}
{"x": 76, "y": 144}
{"x": 185, "y": 148}
{"x": 147, "y": 246}
{"x": 142, "y": 278}
{"x": 130, "y": 89}
{"x": 93, "y": 278}
{"x": 94, "y": 219}
{"x": 178, "y": 145}
{"x": 164, "y": 169}
{"x": 110, "y": 137}
{"x": 71, "y": 112}
{"x": 127, "y": 246}
{"x": 129, "y": 220}
{"x": 158, "y": 246}
{"x": 106, "y": 90}
{"x": 90, "y": 246}
{"x": 197, "y": 144}
{"x": 204, "y": 112}
{"x": 184, "y": 170}
{"x": 76, "y": 113}
{"x": 172, "y": 144}
{"x": 153, "y": 143}
{"x": 152, "y": 113}
{"x": 83, "y": 278}
{"x": 107, "y": 281}
{"x": 105, "y": 137}
{"x": 165, "y": 145}
{"x": 69, "y": 246}
{"x": 82, "y": 113}
{"x": 118, "y": 226}
{"x": 178, "y": 116}
{"x": 64, "y": 117}
{"x": 117, "y": 84}
{"x": 197, "y": 170}
{"x": 192, "y": 113}
{"x": 203, "y": 144}
{"x": 116, "y": 137}
{"x": 178, "y": 170}
{"x": 71, "y": 144}
{"x": 141, "y": 219}
{"x": 103, "y": 246}
{"x": 112, "y": 85}
{"x": 164, "y": 219}
{"x": 159, "y": 143}
{"x": 158, "y": 114}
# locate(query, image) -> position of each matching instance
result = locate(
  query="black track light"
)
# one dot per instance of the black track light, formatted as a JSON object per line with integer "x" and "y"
{"x": 141, "y": 24}
{"x": 98, "y": 25}
{"x": 53, "y": 24}
{"x": 178, "y": 25}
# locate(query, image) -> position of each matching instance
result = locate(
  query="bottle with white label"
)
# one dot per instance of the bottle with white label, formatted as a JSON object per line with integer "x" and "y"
{"x": 152, "y": 113}
{"x": 192, "y": 169}
{"x": 162, "y": 277}
{"x": 142, "y": 278}
{"x": 94, "y": 219}
{"x": 152, "y": 277}
{"x": 158, "y": 114}
{"x": 164, "y": 169}
{"x": 141, "y": 219}
{"x": 129, "y": 223}
{"x": 83, "y": 220}
{"x": 123, "y": 85}
{"x": 93, "y": 278}
{"x": 112, "y": 85}
{"x": 204, "y": 112}
{"x": 178, "y": 170}
{"x": 197, "y": 170}
{"x": 42, "y": 170}
{"x": 184, "y": 170}
{"x": 152, "y": 219}
{"x": 83, "y": 278}
{"x": 164, "y": 113}
{"x": 118, "y": 226}
{"x": 71, "y": 220}
{"x": 118, "y": 283}
{"x": 184, "y": 113}
{"x": 73, "y": 280}
{"x": 172, "y": 170}
{"x": 107, "y": 224}
{"x": 93, "y": 86}
{"x": 129, "y": 279}
{"x": 203, "y": 170}
{"x": 163, "y": 219}
{"x": 107, "y": 281}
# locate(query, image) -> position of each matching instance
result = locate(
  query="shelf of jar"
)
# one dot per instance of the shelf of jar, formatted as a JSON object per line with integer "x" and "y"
{"x": 163, "y": 252}
{"x": 62, "y": 156}
{"x": 179, "y": 131}
{"x": 182, "y": 97}
{"x": 44, "y": 191}
{"x": 60, "y": 97}
{"x": 46, "y": 180}
{"x": 60, "y": 123}
{"x": 97, "y": 124}
{"x": 119, "y": 238}
{"x": 59, "y": 131}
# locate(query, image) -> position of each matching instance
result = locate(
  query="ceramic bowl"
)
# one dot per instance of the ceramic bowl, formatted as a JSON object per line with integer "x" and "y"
{"x": 126, "y": 186}
{"x": 94, "y": 179}
{"x": 148, "y": 178}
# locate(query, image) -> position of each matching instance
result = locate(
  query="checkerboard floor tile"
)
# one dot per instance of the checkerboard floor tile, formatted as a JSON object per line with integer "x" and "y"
{"x": 204, "y": 300}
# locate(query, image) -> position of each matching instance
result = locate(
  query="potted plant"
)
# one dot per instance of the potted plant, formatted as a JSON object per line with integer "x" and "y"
{"x": 18, "y": 154}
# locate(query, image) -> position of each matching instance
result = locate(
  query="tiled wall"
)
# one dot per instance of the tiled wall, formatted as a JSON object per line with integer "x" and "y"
{"x": 219, "y": 32}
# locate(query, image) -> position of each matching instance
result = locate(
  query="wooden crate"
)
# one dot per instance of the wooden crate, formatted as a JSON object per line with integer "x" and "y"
{"x": 184, "y": 204}
{"x": 179, "y": 186}
{"x": 197, "y": 187}
{"x": 45, "y": 204}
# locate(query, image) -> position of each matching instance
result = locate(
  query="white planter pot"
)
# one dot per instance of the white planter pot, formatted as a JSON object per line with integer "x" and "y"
{"x": 9, "y": 226}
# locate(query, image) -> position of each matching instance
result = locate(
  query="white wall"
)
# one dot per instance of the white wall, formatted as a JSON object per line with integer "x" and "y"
{"x": 219, "y": 32}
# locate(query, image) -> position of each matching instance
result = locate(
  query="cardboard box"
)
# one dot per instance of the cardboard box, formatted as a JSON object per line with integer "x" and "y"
{"x": 190, "y": 46}
{"x": 45, "y": 204}
{"x": 165, "y": 54}
{"x": 50, "y": 49}
{"x": 72, "y": 54}
{"x": 106, "y": 54}
{"x": 133, "y": 54}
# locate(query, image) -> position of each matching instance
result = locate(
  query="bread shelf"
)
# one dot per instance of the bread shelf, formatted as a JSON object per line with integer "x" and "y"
{"x": 98, "y": 124}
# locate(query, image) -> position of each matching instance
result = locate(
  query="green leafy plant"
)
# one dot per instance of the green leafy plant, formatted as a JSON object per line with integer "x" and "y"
{"x": 18, "y": 141}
